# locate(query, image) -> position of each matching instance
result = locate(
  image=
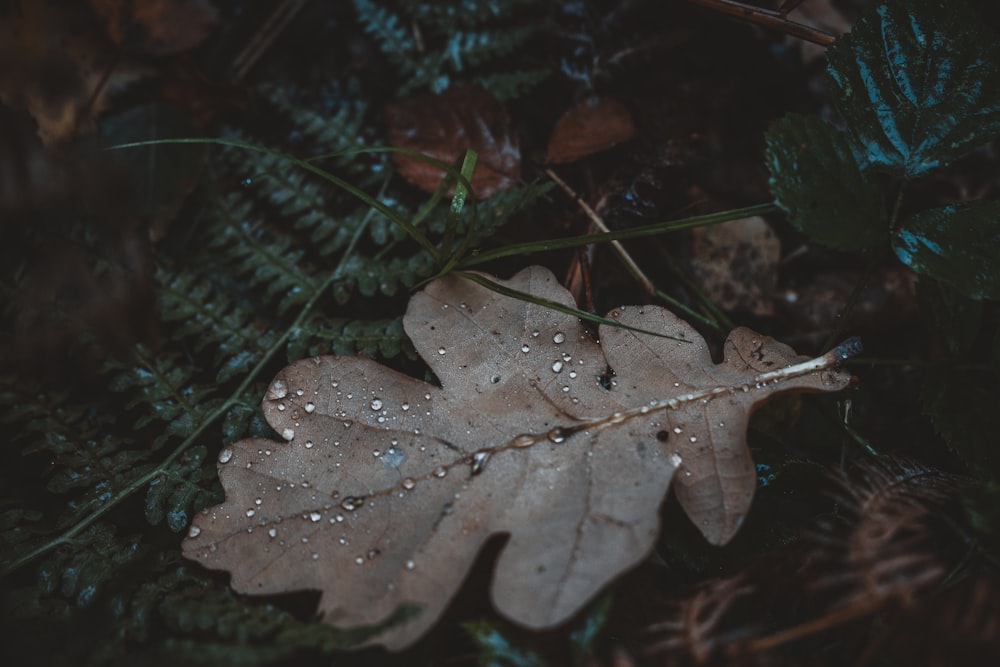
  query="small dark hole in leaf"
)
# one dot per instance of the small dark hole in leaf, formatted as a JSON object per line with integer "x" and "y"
{"x": 662, "y": 436}
{"x": 605, "y": 379}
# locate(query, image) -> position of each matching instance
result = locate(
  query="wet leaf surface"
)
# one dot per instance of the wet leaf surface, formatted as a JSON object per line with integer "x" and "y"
{"x": 816, "y": 180}
{"x": 385, "y": 488}
{"x": 958, "y": 244}
{"x": 918, "y": 83}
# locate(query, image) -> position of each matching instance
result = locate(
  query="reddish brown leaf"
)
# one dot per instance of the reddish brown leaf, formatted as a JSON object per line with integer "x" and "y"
{"x": 444, "y": 126}
{"x": 156, "y": 27}
{"x": 593, "y": 125}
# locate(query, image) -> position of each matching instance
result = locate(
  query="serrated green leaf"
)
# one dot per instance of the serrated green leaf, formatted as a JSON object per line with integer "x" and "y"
{"x": 816, "y": 181}
{"x": 918, "y": 84}
{"x": 964, "y": 411}
{"x": 957, "y": 244}
{"x": 953, "y": 318}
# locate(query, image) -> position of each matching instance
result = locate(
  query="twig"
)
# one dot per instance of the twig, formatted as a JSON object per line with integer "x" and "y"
{"x": 630, "y": 264}
{"x": 769, "y": 18}
{"x": 265, "y": 36}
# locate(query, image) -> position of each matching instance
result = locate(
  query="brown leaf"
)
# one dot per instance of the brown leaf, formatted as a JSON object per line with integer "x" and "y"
{"x": 593, "y": 125}
{"x": 156, "y": 27}
{"x": 386, "y": 487}
{"x": 54, "y": 65}
{"x": 736, "y": 263}
{"x": 444, "y": 126}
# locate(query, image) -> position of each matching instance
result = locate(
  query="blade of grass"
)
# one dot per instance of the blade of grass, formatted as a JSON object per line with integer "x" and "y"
{"x": 480, "y": 279}
{"x": 655, "y": 229}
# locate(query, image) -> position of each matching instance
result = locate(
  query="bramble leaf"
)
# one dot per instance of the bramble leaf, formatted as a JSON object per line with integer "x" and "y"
{"x": 957, "y": 244}
{"x": 918, "y": 84}
{"x": 816, "y": 181}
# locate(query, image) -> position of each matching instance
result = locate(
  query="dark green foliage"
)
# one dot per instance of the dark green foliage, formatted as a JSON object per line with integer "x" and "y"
{"x": 918, "y": 84}
{"x": 495, "y": 650}
{"x": 163, "y": 387}
{"x": 817, "y": 181}
{"x": 918, "y": 87}
{"x": 961, "y": 401}
{"x": 369, "y": 338}
{"x": 78, "y": 570}
{"x": 186, "y": 485}
{"x": 458, "y": 36}
{"x": 958, "y": 244}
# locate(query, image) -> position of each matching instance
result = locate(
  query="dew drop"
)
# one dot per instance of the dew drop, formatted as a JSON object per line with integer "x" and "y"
{"x": 359, "y": 560}
{"x": 409, "y": 483}
{"x": 310, "y": 407}
{"x": 525, "y": 349}
{"x": 272, "y": 532}
{"x": 405, "y": 407}
{"x": 556, "y": 435}
{"x": 251, "y": 512}
{"x": 376, "y": 404}
{"x": 279, "y": 389}
{"x": 678, "y": 429}
{"x": 225, "y": 455}
{"x": 427, "y": 397}
{"x": 309, "y": 444}
{"x": 479, "y": 460}
{"x": 410, "y": 565}
{"x": 534, "y": 334}
{"x": 559, "y": 337}
{"x": 442, "y": 351}
{"x": 281, "y": 407}
{"x": 675, "y": 459}
{"x": 440, "y": 471}
{"x": 194, "y": 531}
{"x": 572, "y": 374}
{"x": 315, "y": 556}
{"x": 557, "y": 366}
{"x": 315, "y": 516}
{"x": 694, "y": 438}
{"x": 288, "y": 434}
{"x": 258, "y": 502}
{"x": 352, "y": 503}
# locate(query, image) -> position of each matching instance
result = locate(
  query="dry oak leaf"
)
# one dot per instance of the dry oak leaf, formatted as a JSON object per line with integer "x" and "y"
{"x": 386, "y": 487}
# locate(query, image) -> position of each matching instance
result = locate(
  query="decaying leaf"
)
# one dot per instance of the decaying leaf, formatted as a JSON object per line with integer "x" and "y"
{"x": 736, "y": 263}
{"x": 444, "y": 126}
{"x": 386, "y": 487}
{"x": 593, "y": 125}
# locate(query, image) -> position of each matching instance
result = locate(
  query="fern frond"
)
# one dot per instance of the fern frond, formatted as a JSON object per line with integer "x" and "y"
{"x": 383, "y": 339}
{"x": 186, "y": 485}
{"x": 79, "y": 570}
{"x": 460, "y": 35}
{"x": 262, "y": 255}
{"x": 391, "y": 33}
{"x": 162, "y": 387}
{"x": 511, "y": 85}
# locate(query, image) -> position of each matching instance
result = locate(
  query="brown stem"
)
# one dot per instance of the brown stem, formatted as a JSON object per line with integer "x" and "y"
{"x": 768, "y": 18}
